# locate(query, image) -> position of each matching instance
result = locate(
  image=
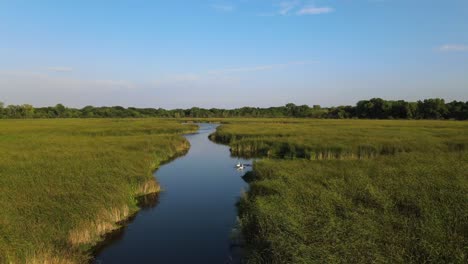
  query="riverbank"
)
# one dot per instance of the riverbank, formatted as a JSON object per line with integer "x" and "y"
{"x": 390, "y": 207}
{"x": 69, "y": 182}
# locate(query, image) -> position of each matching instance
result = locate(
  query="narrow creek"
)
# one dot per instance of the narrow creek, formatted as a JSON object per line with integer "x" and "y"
{"x": 192, "y": 219}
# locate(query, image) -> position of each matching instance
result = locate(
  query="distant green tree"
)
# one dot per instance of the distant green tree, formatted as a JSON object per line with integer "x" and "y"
{"x": 27, "y": 111}
{"x": 413, "y": 107}
{"x": 401, "y": 110}
{"x": 2, "y": 105}
{"x": 338, "y": 112}
{"x": 457, "y": 110}
{"x": 432, "y": 108}
{"x": 364, "y": 108}
{"x": 380, "y": 108}
{"x": 290, "y": 107}
{"x": 87, "y": 111}
{"x": 301, "y": 111}
{"x": 19, "y": 111}
{"x": 59, "y": 110}
{"x": 375, "y": 108}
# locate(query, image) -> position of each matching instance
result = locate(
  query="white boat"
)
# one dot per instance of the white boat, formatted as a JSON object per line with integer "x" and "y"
{"x": 240, "y": 166}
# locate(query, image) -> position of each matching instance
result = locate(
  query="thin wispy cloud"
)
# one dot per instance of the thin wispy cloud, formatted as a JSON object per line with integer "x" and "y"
{"x": 286, "y": 7}
{"x": 40, "y": 77}
{"x": 115, "y": 84}
{"x": 260, "y": 67}
{"x": 216, "y": 74}
{"x": 224, "y": 7}
{"x": 297, "y": 8}
{"x": 312, "y": 10}
{"x": 453, "y": 47}
{"x": 177, "y": 79}
{"x": 60, "y": 69}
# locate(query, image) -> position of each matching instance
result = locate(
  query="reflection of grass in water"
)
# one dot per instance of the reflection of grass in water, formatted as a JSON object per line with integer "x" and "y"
{"x": 148, "y": 201}
{"x": 144, "y": 202}
{"x": 400, "y": 199}
{"x": 64, "y": 183}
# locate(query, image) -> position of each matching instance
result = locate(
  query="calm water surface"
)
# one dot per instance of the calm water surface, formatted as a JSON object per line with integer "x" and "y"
{"x": 194, "y": 215}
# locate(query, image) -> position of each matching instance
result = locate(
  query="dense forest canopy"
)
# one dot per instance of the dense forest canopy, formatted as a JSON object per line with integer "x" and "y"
{"x": 375, "y": 108}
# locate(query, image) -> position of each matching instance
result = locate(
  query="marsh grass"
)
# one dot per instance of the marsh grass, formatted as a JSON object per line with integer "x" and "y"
{"x": 354, "y": 191}
{"x": 65, "y": 183}
{"x": 339, "y": 139}
{"x": 404, "y": 209}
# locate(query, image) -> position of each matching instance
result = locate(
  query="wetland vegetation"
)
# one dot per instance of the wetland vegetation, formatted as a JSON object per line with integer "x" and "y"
{"x": 334, "y": 191}
{"x": 358, "y": 191}
{"x": 66, "y": 182}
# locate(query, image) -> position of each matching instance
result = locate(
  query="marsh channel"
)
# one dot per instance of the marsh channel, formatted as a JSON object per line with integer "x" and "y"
{"x": 193, "y": 220}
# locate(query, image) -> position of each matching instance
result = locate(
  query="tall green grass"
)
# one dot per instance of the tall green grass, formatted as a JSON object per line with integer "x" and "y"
{"x": 404, "y": 209}
{"x": 65, "y": 183}
{"x": 406, "y": 202}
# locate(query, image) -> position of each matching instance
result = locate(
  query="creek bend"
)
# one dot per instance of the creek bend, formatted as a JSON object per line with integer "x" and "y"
{"x": 192, "y": 219}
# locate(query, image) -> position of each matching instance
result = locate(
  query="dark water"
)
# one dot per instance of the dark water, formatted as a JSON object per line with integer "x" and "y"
{"x": 191, "y": 221}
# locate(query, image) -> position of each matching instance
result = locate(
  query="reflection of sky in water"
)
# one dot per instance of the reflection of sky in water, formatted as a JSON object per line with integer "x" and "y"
{"x": 195, "y": 214}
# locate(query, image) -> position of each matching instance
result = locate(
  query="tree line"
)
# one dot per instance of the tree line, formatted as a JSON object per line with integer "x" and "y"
{"x": 375, "y": 108}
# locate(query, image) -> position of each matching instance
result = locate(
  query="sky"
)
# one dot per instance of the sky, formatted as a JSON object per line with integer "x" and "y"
{"x": 231, "y": 53}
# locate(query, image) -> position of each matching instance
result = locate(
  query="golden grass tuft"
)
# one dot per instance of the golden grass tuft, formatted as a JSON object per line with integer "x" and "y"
{"x": 149, "y": 187}
{"x": 47, "y": 259}
{"x": 92, "y": 231}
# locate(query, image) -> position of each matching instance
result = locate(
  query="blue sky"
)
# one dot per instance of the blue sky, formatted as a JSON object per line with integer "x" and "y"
{"x": 231, "y": 53}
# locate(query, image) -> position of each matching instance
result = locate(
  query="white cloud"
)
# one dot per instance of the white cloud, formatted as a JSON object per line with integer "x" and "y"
{"x": 453, "y": 47}
{"x": 312, "y": 10}
{"x": 286, "y": 7}
{"x": 224, "y": 7}
{"x": 60, "y": 69}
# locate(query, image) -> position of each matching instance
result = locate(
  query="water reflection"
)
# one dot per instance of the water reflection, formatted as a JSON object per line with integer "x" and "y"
{"x": 146, "y": 202}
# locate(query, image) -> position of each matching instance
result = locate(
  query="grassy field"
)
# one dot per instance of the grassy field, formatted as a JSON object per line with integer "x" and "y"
{"x": 64, "y": 183}
{"x": 353, "y": 191}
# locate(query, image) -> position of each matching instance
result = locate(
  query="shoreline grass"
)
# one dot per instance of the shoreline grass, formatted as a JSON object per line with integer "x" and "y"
{"x": 65, "y": 183}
